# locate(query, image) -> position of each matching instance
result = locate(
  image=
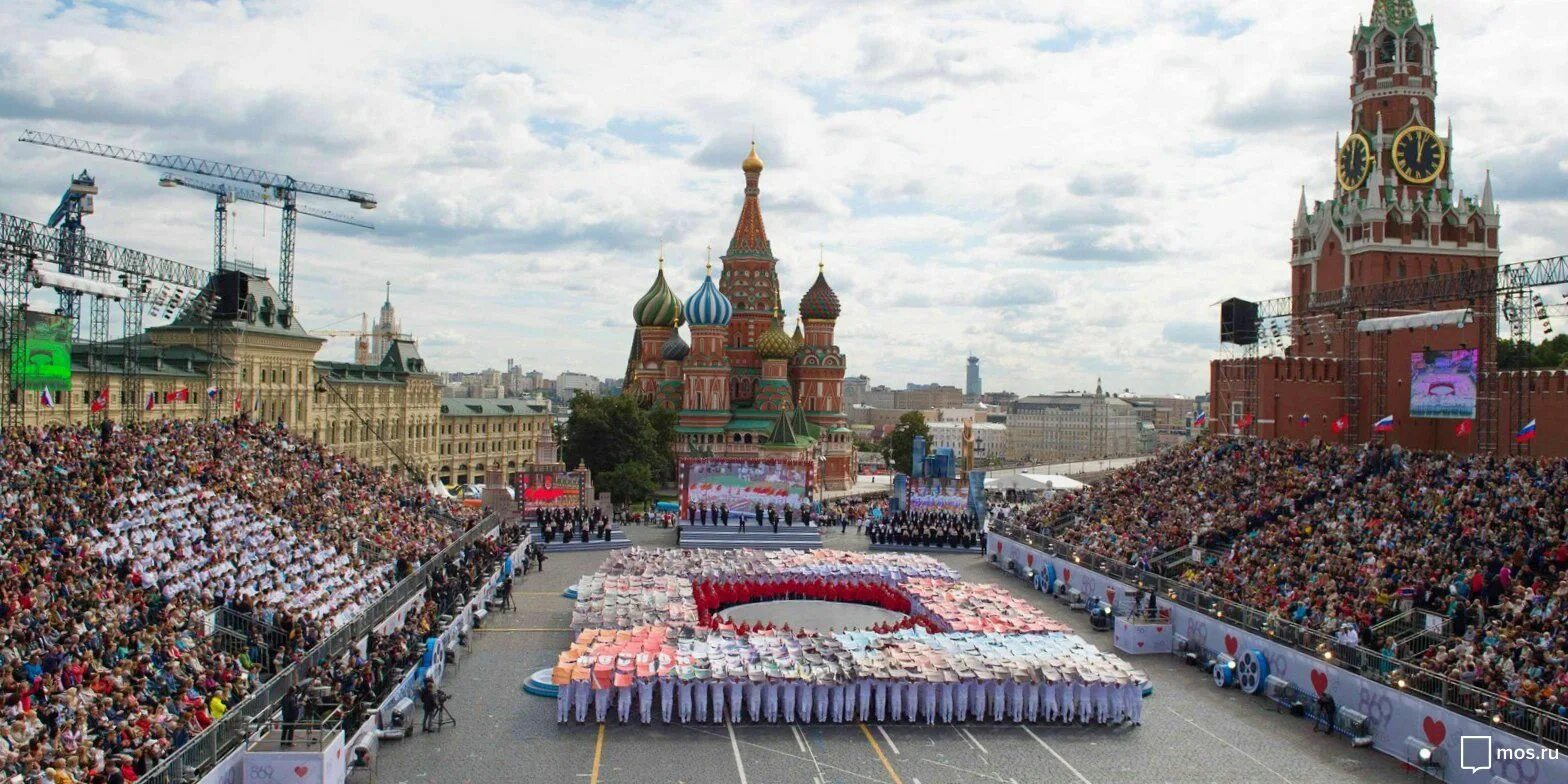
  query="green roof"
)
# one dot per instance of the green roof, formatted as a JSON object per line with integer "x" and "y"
{"x": 476, "y": 406}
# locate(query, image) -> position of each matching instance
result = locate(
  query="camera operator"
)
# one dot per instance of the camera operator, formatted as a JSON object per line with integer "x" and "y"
{"x": 430, "y": 698}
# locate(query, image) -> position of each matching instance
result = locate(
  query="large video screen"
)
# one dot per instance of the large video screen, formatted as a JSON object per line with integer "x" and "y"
{"x": 742, "y": 484}
{"x": 1443, "y": 384}
{"x": 938, "y": 495}
{"x": 548, "y": 490}
{"x": 42, "y": 358}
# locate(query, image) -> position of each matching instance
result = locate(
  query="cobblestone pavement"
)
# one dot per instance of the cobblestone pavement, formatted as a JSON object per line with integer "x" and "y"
{"x": 1192, "y": 732}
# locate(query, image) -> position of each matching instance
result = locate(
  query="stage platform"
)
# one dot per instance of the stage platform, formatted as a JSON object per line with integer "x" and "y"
{"x": 732, "y": 536}
{"x": 916, "y": 548}
{"x": 811, "y": 614}
{"x": 617, "y": 540}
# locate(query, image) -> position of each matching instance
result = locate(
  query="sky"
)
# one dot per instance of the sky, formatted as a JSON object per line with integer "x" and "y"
{"x": 1063, "y": 188}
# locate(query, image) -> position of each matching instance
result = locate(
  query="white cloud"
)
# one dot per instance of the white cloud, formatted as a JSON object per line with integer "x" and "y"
{"x": 1062, "y": 187}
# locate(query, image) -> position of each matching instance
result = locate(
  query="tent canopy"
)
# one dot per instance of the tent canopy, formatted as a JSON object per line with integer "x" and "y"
{"x": 1027, "y": 481}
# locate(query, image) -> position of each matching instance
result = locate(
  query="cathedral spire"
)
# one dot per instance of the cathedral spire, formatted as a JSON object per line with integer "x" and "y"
{"x": 751, "y": 239}
{"x": 1488, "y": 207}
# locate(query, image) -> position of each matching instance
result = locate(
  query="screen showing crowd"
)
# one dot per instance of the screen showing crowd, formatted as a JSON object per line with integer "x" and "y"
{"x": 1443, "y": 383}
{"x": 747, "y": 483}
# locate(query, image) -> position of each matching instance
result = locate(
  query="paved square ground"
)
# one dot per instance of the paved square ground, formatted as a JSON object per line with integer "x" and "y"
{"x": 1192, "y": 732}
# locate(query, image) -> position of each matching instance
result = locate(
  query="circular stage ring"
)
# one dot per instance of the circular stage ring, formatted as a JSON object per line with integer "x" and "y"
{"x": 540, "y": 685}
{"x": 1252, "y": 671}
{"x": 1224, "y": 674}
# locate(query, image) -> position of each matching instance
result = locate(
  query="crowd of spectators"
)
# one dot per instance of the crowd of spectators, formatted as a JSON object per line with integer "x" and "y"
{"x": 1340, "y": 538}
{"x": 119, "y": 544}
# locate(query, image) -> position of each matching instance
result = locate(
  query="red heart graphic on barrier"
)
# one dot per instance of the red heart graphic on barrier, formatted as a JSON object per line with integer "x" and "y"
{"x": 998, "y": 547}
{"x": 1159, "y": 628}
{"x": 301, "y": 770}
{"x": 1319, "y": 682}
{"x": 1067, "y": 575}
{"x": 1231, "y": 644}
{"x": 1140, "y": 645}
{"x": 1030, "y": 559}
{"x": 1435, "y": 730}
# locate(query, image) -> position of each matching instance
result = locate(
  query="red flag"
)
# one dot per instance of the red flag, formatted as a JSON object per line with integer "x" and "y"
{"x": 101, "y": 400}
{"x": 237, "y": 398}
{"x": 1464, "y": 427}
{"x": 180, "y": 396}
{"x": 1246, "y": 421}
{"x": 152, "y": 400}
{"x": 1341, "y": 423}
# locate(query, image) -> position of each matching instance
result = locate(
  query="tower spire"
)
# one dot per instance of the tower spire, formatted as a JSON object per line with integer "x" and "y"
{"x": 751, "y": 238}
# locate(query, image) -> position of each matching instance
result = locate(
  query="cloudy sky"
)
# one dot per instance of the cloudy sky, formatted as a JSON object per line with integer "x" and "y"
{"x": 1062, "y": 187}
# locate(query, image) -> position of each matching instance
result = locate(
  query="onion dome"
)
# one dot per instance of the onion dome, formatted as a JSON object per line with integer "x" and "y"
{"x": 775, "y": 343}
{"x": 820, "y": 302}
{"x": 675, "y": 348}
{"x": 659, "y": 307}
{"x": 752, "y": 162}
{"x": 709, "y": 307}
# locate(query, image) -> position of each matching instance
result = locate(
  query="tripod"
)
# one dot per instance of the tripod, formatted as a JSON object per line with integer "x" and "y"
{"x": 444, "y": 717}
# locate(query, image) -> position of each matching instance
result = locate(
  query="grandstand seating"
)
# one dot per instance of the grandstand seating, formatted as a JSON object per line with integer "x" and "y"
{"x": 121, "y": 546}
{"x": 1343, "y": 538}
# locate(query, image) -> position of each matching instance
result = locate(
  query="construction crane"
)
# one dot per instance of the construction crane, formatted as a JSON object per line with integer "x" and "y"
{"x": 227, "y": 194}
{"x": 67, "y": 219}
{"x": 361, "y": 338}
{"x": 283, "y": 187}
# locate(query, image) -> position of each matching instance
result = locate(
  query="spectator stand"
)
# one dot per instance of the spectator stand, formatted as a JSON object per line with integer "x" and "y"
{"x": 394, "y": 715}
{"x": 217, "y": 747}
{"x": 1418, "y": 706}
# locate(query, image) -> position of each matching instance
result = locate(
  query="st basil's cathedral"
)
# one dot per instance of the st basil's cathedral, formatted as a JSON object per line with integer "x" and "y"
{"x": 744, "y": 387}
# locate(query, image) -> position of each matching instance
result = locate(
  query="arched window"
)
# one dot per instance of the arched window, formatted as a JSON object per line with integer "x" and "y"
{"x": 1414, "y": 50}
{"x": 1387, "y": 49}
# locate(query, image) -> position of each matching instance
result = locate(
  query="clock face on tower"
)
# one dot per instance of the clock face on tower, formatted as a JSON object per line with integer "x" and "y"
{"x": 1418, "y": 155}
{"x": 1355, "y": 162}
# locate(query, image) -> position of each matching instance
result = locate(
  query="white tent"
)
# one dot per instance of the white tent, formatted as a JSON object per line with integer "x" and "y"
{"x": 1026, "y": 481}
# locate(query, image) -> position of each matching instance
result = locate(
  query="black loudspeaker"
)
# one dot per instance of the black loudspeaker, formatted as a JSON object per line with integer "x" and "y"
{"x": 232, "y": 287}
{"x": 1239, "y": 322}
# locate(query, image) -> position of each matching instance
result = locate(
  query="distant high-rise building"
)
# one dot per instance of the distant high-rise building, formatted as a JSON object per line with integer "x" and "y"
{"x": 387, "y": 329}
{"x": 972, "y": 379}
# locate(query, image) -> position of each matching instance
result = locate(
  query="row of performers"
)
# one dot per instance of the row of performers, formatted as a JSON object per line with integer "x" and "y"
{"x": 772, "y": 699}
{"x": 699, "y": 513}
{"x": 925, "y": 535}
{"x": 568, "y": 524}
{"x": 944, "y": 517}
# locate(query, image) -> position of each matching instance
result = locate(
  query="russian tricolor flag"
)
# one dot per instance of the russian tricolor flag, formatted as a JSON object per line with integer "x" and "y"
{"x": 1383, "y": 425}
{"x": 1526, "y": 434}
{"x": 1201, "y": 419}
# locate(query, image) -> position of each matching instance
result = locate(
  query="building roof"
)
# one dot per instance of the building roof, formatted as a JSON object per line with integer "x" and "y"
{"x": 659, "y": 307}
{"x": 751, "y": 238}
{"x": 709, "y": 307}
{"x": 481, "y": 406}
{"x": 820, "y": 302}
{"x": 240, "y": 301}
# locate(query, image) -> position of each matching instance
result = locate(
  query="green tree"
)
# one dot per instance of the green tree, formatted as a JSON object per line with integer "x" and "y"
{"x": 627, "y": 483}
{"x": 624, "y": 445}
{"x": 901, "y": 442}
{"x": 1525, "y": 354}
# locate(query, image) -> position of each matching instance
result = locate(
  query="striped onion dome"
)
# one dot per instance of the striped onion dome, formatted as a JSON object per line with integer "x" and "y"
{"x": 709, "y": 307}
{"x": 659, "y": 307}
{"x": 675, "y": 348}
{"x": 775, "y": 343}
{"x": 820, "y": 301}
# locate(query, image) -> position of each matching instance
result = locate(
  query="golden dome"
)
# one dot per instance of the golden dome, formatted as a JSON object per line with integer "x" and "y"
{"x": 752, "y": 162}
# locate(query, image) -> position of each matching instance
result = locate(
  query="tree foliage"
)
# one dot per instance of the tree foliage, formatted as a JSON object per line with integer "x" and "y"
{"x": 624, "y": 445}
{"x": 1524, "y": 354}
{"x": 901, "y": 442}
